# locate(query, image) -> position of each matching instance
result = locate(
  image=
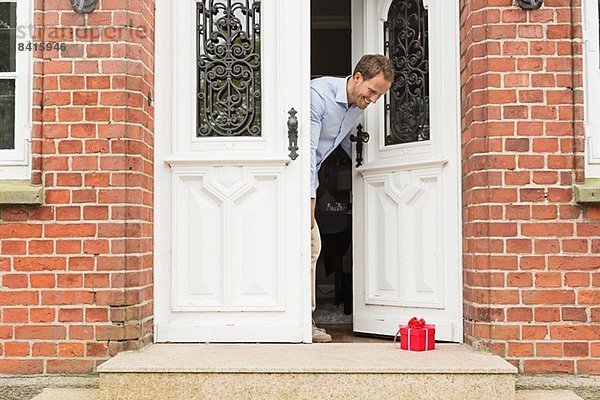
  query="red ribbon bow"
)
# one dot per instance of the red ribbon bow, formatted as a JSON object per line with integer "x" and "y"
{"x": 415, "y": 323}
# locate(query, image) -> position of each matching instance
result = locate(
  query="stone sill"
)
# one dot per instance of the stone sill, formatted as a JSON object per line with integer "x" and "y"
{"x": 20, "y": 192}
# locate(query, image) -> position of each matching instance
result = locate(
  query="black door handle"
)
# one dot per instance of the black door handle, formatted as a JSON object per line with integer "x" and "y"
{"x": 360, "y": 138}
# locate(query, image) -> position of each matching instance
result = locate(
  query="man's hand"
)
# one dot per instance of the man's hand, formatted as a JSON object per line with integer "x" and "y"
{"x": 312, "y": 213}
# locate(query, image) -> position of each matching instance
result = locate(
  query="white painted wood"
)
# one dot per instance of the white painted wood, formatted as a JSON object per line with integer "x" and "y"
{"x": 16, "y": 163}
{"x": 591, "y": 87}
{"x": 406, "y": 198}
{"x": 232, "y": 250}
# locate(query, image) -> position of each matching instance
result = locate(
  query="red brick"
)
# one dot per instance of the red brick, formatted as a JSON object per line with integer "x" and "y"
{"x": 70, "y": 315}
{"x": 16, "y": 349}
{"x": 96, "y": 350}
{"x": 531, "y": 96}
{"x": 43, "y": 280}
{"x": 574, "y": 314}
{"x": 591, "y": 367}
{"x": 574, "y": 263}
{"x": 530, "y": 31}
{"x": 581, "y": 332}
{"x": 546, "y": 366}
{"x": 21, "y": 367}
{"x": 15, "y": 298}
{"x": 576, "y": 349}
{"x": 96, "y": 315}
{"x": 547, "y": 229}
{"x": 548, "y": 279}
{"x": 12, "y": 315}
{"x": 515, "y": 314}
{"x": 547, "y": 314}
{"x": 519, "y": 279}
{"x": 40, "y": 332}
{"x": 520, "y": 349}
{"x": 44, "y": 349}
{"x": 15, "y": 281}
{"x": 67, "y": 297}
{"x": 574, "y": 279}
{"x": 548, "y": 349}
{"x": 14, "y": 247}
{"x": 42, "y": 315}
{"x": 545, "y": 246}
{"x": 67, "y": 366}
{"x": 548, "y": 296}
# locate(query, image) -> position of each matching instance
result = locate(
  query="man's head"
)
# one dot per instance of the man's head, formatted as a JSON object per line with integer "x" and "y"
{"x": 372, "y": 77}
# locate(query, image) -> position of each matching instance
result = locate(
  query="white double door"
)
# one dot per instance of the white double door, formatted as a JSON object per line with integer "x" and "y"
{"x": 232, "y": 250}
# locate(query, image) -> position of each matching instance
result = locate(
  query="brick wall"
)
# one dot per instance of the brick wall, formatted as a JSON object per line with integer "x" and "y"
{"x": 531, "y": 264}
{"x": 76, "y": 272}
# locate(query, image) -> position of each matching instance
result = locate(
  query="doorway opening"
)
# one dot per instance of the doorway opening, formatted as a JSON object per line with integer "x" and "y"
{"x": 331, "y": 55}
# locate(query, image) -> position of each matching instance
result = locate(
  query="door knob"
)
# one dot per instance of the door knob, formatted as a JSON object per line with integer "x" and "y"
{"x": 360, "y": 138}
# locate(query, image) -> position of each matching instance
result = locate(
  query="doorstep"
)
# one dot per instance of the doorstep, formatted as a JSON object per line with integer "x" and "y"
{"x": 305, "y": 371}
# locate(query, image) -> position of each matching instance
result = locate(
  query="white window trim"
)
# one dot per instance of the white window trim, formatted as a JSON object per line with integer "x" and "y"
{"x": 591, "y": 74}
{"x": 16, "y": 163}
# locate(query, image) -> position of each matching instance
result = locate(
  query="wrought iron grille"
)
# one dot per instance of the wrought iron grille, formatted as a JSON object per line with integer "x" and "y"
{"x": 228, "y": 57}
{"x": 407, "y": 46}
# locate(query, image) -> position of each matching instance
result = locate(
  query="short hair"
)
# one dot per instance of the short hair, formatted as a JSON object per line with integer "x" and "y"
{"x": 371, "y": 65}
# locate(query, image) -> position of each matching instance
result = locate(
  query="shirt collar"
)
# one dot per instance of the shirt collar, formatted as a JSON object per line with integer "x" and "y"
{"x": 341, "y": 95}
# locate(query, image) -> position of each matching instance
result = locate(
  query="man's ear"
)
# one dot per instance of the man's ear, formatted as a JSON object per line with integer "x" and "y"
{"x": 357, "y": 77}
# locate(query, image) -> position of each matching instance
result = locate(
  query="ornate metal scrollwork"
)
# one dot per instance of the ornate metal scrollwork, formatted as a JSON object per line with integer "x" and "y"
{"x": 407, "y": 46}
{"x": 530, "y": 4}
{"x": 228, "y": 58}
{"x": 292, "y": 124}
{"x": 360, "y": 138}
{"x": 83, "y": 6}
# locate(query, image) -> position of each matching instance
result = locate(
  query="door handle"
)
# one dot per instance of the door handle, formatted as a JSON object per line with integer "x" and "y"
{"x": 360, "y": 138}
{"x": 292, "y": 124}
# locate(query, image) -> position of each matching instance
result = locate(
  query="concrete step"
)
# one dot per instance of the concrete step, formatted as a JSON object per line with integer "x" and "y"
{"x": 68, "y": 394}
{"x": 324, "y": 371}
{"x": 546, "y": 395}
{"x": 93, "y": 394}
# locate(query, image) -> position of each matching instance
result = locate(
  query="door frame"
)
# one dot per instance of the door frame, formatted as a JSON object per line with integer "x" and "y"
{"x": 359, "y": 38}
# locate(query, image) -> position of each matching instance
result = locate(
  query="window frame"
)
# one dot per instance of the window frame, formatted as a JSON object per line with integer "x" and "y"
{"x": 16, "y": 163}
{"x": 591, "y": 74}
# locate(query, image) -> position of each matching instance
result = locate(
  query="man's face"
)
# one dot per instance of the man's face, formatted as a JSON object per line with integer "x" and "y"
{"x": 368, "y": 91}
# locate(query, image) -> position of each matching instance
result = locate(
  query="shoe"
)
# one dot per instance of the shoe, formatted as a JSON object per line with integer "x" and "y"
{"x": 320, "y": 335}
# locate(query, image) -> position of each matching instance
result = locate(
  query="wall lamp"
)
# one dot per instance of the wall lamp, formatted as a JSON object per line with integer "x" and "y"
{"x": 530, "y": 4}
{"x": 83, "y": 6}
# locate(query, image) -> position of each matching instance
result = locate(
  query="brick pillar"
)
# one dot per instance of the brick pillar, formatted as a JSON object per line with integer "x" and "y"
{"x": 530, "y": 253}
{"x": 77, "y": 271}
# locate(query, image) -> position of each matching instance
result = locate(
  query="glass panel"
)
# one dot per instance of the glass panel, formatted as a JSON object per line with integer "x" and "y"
{"x": 7, "y": 114}
{"x": 8, "y": 37}
{"x": 407, "y": 45}
{"x": 229, "y": 84}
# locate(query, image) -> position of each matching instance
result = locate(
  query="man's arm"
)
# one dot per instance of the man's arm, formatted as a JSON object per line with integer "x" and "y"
{"x": 317, "y": 111}
{"x": 346, "y": 145}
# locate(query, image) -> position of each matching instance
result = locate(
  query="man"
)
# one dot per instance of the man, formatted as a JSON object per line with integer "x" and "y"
{"x": 336, "y": 107}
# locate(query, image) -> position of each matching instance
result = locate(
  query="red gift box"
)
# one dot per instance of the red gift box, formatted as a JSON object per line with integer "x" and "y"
{"x": 416, "y": 336}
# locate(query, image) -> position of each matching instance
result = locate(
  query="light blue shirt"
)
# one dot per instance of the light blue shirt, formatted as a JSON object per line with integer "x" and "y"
{"x": 331, "y": 122}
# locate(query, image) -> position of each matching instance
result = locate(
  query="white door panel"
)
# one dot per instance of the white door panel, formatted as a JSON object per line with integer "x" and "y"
{"x": 406, "y": 197}
{"x": 232, "y": 232}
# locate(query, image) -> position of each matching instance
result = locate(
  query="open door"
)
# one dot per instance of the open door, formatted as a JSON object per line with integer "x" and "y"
{"x": 232, "y": 231}
{"x": 406, "y": 193}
